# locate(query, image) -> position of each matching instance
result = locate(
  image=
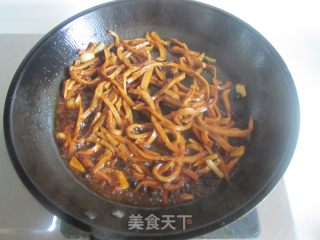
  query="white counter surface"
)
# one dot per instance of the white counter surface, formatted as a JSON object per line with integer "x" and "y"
{"x": 293, "y": 28}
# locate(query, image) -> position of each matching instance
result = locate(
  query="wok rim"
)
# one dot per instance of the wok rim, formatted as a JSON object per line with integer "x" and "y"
{"x": 233, "y": 215}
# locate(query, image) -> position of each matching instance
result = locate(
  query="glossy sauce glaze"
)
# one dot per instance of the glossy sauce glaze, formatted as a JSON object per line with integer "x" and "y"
{"x": 141, "y": 129}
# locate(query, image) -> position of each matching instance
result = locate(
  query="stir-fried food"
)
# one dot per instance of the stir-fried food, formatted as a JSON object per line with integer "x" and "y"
{"x": 145, "y": 121}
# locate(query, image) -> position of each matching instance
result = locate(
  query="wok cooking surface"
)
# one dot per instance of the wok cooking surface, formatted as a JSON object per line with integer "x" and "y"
{"x": 16, "y": 205}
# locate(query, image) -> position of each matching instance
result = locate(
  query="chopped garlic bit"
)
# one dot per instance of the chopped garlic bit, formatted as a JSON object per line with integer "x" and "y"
{"x": 238, "y": 152}
{"x": 61, "y": 136}
{"x": 86, "y": 57}
{"x": 241, "y": 89}
{"x": 76, "y": 164}
{"x": 71, "y": 103}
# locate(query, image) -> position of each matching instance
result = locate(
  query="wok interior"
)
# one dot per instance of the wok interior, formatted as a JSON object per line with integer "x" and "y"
{"x": 242, "y": 56}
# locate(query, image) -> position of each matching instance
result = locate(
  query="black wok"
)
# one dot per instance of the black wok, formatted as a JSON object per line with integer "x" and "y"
{"x": 243, "y": 55}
